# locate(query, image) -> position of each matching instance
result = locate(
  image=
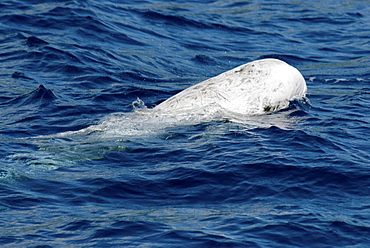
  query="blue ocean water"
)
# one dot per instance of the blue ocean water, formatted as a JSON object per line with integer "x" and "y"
{"x": 295, "y": 178}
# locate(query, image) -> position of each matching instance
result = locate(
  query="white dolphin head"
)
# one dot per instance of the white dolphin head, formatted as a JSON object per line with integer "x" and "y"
{"x": 255, "y": 88}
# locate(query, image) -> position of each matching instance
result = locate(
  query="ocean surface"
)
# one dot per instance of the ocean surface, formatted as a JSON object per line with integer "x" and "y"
{"x": 299, "y": 177}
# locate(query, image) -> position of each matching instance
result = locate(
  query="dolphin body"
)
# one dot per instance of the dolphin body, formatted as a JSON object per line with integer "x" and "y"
{"x": 256, "y": 88}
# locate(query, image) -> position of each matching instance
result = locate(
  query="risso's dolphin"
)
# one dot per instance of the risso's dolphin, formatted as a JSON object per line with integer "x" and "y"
{"x": 256, "y": 88}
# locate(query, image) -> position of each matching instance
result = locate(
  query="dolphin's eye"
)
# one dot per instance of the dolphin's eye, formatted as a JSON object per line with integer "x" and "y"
{"x": 267, "y": 108}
